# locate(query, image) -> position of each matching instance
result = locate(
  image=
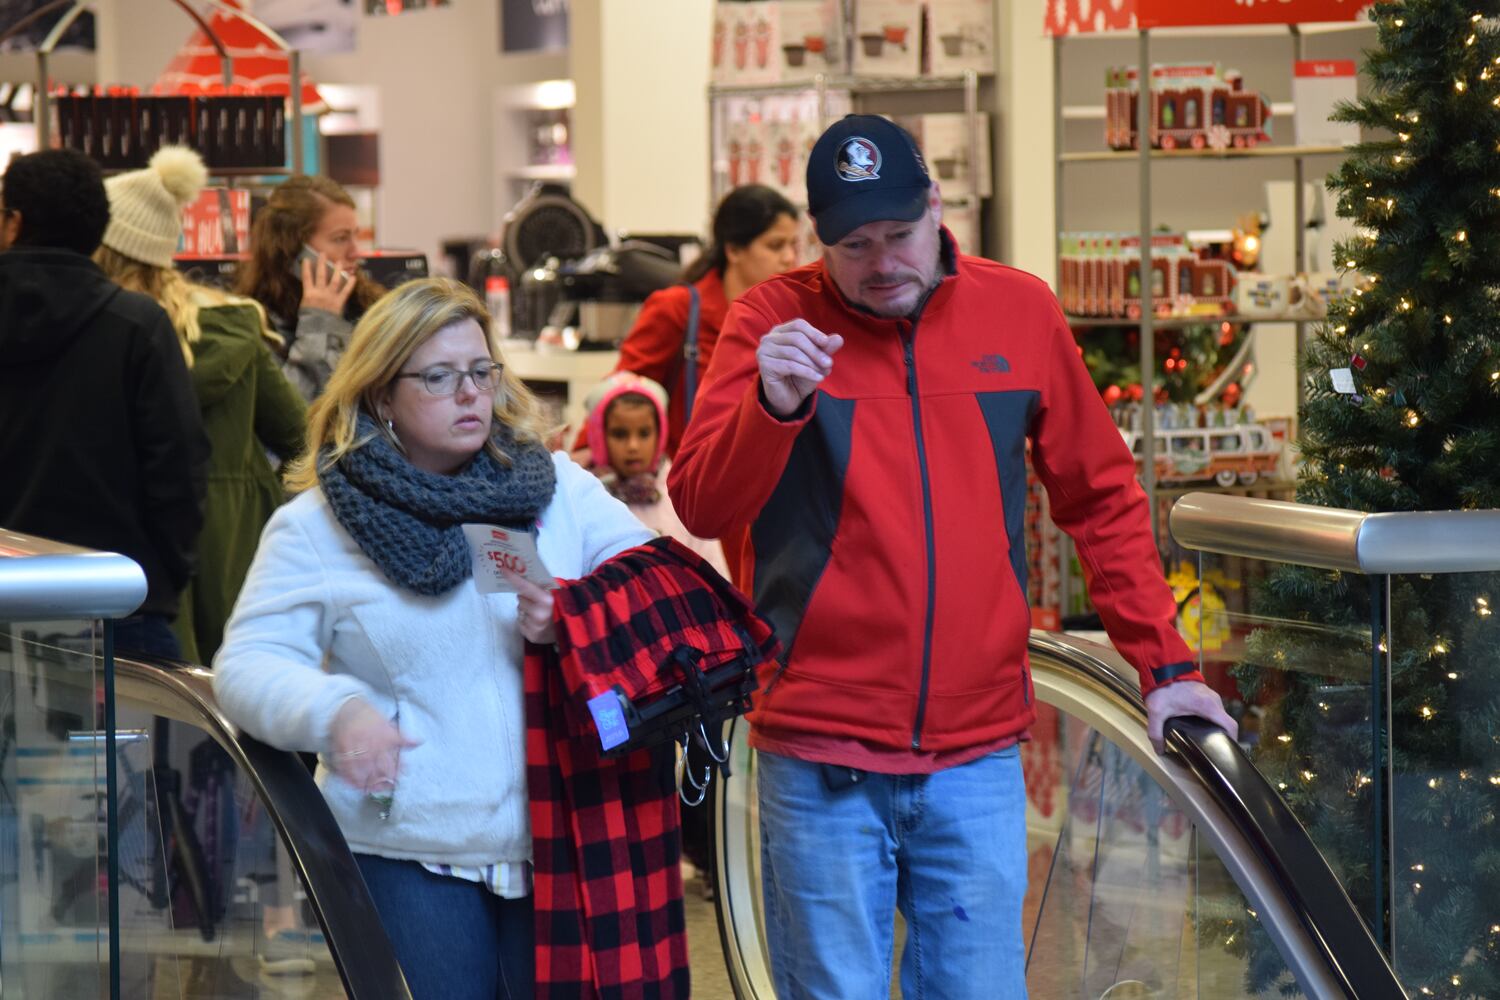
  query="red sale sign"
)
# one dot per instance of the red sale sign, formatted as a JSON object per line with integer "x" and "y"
{"x": 1072, "y": 17}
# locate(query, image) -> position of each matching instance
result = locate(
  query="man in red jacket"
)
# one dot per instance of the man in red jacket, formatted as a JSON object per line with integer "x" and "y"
{"x": 868, "y": 416}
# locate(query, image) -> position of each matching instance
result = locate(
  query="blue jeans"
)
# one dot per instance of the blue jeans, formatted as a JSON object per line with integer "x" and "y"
{"x": 455, "y": 940}
{"x": 947, "y": 849}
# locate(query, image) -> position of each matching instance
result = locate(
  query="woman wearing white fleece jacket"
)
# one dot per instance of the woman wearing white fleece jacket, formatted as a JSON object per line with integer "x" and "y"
{"x": 360, "y": 633}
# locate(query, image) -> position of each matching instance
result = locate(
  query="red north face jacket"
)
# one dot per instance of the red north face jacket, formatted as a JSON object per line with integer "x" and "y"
{"x": 886, "y": 518}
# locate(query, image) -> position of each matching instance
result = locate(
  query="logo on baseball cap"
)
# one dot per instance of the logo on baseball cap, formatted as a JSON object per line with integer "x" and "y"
{"x": 864, "y": 169}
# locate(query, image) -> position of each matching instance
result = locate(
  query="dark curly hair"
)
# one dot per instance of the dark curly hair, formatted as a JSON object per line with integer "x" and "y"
{"x": 60, "y": 195}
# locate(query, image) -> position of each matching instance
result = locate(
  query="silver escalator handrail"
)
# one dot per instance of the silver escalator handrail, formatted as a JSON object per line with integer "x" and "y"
{"x": 1435, "y": 541}
{"x": 356, "y": 938}
{"x": 1319, "y": 934}
{"x": 42, "y": 580}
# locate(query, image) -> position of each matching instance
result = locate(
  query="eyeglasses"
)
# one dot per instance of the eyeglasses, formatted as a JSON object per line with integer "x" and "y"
{"x": 441, "y": 381}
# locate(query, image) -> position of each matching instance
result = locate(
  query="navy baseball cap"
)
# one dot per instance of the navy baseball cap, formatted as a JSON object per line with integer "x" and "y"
{"x": 864, "y": 169}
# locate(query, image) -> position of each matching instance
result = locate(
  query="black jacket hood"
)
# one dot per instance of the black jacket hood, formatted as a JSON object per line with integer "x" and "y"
{"x": 47, "y": 297}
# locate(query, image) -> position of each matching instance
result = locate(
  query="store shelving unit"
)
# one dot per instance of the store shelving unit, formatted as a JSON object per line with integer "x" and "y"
{"x": 1144, "y": 157}
{"x": 75, "y": 8}
{"x": 871, "y": 95}
{"x": 859, "y": 88}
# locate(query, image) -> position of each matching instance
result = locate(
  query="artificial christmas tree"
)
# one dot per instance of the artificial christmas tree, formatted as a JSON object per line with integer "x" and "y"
{"x": 1403, "y": 414}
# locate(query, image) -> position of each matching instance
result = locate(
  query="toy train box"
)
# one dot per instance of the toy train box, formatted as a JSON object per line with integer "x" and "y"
{"x": 1193, "y": 105}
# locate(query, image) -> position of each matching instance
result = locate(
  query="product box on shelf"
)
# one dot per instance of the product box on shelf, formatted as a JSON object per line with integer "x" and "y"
{"x": 720, "y": 52}
{"x": 944, "y": 141}
{"x": 961, "y": 36}
{"x": 1317, "y": 87}
{"x": 810, "y": 39}
{"x": 209, "y": 222}
{"x": 961, "y": 216}
{"x": 1193, "y": 105}
{"x": 793, "y": 128}
{"x": 1099, "y": 275}
{"x": 746, "y": 48}
{"x": 747, "y": 151}
{"x": 888, "y": 38}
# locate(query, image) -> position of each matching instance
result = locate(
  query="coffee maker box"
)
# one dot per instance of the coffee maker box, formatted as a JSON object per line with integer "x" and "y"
{"x": 811, "y": 39}
{"x": 945, "y": 144}
{"x": 888, "y": 38}
{"x": 960, "y": 36}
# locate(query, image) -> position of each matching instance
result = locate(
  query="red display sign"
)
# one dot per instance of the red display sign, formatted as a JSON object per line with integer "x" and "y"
{"x": 1073, "y": 17}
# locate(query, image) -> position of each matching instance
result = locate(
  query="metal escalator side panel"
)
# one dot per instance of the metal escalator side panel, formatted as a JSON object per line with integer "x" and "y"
{"x": 356, "y": 938}
{"x": 733, "y": 827}
{"x": 1251, "y": 830}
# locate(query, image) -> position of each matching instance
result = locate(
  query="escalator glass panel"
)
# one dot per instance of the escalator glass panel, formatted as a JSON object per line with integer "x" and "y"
{"x": 1125, "y": 898}
{"x": 210, "y": 906}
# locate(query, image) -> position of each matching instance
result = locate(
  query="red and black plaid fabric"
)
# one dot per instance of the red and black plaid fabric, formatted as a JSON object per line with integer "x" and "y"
{"x": 605, "y": 831}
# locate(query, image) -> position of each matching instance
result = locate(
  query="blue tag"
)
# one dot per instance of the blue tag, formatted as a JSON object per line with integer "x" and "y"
{"x": 609, "y": 719}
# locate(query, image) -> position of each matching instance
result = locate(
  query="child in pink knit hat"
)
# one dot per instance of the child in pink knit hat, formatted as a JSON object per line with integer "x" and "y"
{"x": 627, "y": 451}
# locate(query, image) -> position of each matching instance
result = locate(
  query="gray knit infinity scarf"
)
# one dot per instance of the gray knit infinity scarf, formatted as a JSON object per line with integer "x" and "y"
{"x": 408, "y": 521}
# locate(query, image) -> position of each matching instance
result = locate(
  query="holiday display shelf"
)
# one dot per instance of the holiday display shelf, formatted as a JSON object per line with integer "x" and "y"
{"x": 1142, "y": 157}
{"x": 72, "y": 9}
{"x": 1148, "y": 322}
{"x": 853, "y": 84}
{"x": 1254, "y": 152}
{"x": 1161, "y": 322}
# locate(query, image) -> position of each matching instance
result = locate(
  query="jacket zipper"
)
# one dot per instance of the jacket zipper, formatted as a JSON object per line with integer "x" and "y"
{"x": 909, "y": 343}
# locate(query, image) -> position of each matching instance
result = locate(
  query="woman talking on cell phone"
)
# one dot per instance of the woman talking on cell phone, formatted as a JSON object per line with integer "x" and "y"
{"x": 304, "y": 269}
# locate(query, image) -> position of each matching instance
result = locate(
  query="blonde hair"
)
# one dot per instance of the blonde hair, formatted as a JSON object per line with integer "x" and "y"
{"x": 385, "y": 338}
{"x": 179, "y": 298}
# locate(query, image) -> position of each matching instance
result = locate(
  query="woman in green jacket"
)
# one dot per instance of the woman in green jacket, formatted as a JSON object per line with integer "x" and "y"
{"x": 249, "y": 407}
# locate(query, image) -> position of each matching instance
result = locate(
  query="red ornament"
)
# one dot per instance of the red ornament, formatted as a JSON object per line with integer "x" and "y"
{"x": 1112, "y": 395}
{"x": 1134, "y": 392}
{"x": 1232, "y": 394}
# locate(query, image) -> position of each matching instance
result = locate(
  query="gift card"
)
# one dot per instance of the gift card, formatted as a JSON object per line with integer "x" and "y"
{"x": 494, "y": 549}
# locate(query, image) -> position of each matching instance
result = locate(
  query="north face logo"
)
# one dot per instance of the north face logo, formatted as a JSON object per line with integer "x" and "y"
{"x": 992, "y": 364}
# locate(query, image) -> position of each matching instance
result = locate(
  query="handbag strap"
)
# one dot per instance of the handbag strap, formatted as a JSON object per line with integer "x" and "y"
{"x": 690, "y": 356}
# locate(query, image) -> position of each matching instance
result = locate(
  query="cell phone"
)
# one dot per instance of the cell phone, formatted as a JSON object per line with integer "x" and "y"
{"x": 837, "y": 777}
{"x": 310, "y": 255}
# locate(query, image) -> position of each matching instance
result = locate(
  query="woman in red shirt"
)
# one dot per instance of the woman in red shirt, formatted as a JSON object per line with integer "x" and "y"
{"x": 754, "y": 237}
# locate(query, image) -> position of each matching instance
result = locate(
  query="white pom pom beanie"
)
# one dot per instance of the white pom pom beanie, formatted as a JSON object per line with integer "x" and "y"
{"x": 145, "y": 206}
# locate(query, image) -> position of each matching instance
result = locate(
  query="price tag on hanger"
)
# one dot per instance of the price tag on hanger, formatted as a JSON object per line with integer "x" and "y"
{"x": 494, "y": 549}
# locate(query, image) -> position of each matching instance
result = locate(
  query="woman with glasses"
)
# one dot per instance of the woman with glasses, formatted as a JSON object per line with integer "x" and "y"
{"x": 363, "y": 633}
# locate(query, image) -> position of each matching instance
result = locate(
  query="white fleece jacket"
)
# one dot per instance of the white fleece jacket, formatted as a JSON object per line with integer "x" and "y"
{"x": 317, "y": 623}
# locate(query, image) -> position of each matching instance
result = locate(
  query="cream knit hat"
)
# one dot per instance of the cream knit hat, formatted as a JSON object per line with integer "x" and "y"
{"x": 145, "y": 206}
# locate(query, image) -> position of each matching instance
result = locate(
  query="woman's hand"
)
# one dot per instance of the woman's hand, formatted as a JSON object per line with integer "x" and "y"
{"x": 533, "y": 610}
{"x": 366, "y": 746}
{"x": 325, "y": 286}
